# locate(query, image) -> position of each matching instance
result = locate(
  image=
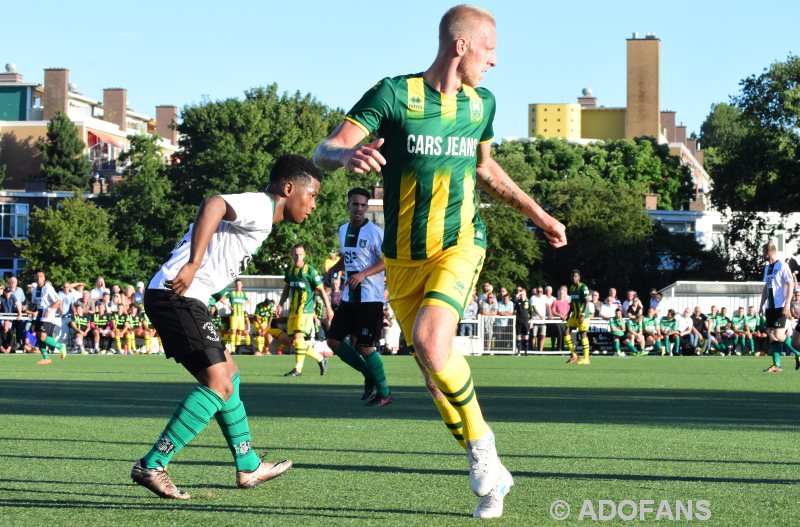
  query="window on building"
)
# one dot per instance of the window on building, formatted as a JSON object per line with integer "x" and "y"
{"x": 13, "y": 220}
{"x": 678, "y": 227}
{"x": 11, "y": 267}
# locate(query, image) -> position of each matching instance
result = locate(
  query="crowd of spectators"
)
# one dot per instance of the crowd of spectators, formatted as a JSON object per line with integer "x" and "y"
{"x": 96, "y": 320}
{"x": 540, "y": 320}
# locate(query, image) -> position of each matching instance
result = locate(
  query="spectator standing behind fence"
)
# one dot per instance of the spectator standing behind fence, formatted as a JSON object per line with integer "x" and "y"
{"x": 505, "y": 308}
{"x": 608, "y": 309}
{"x": 100, "y": 288}
{"x": 596, "y": 304}
{"x": 628, "y": 301}
{"x": 468, "y": 329}
{"x": 559, "y": 310}
{"x": 19, "y": 295}
{"x": 655, "y": 300}
{"x": 8, "y": 339}
{"x": 489, "y": 311}
{"x": 540, "y": 310}
{"x": 522, "y": 317}
{"x": 487, "y": 288}
{"x": 612, "y": 292}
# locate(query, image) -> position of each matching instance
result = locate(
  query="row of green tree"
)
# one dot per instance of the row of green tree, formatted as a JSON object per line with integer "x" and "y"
{"x": 597, "y": 190}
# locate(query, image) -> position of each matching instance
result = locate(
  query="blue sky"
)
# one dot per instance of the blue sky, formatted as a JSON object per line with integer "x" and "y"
{"x": 178, "y": 52}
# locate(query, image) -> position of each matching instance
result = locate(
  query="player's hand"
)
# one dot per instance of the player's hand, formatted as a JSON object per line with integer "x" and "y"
{"x": 329, "y": 314}
{"x": 278, "y": 310}
{"x": 555, "y": 232}
{"x": 365, "y": 158}
{"x": 355, "y": 279}
{"x": 182, "y": 280}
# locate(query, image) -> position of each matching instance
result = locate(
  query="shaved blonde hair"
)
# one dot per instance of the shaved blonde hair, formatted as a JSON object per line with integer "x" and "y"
{"x": 460, "y": 21}
{"x": 770, "y": 248}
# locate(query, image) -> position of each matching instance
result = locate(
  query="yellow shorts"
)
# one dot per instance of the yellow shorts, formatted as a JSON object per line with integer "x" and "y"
{"x": 574, "y": 323}
{"x": 275, "y": 332}
{"x": 446, "y": 280}
{"x": 302, "y": 323}
{"x": 237, "y": 323}
{"x": 260, "y": 326}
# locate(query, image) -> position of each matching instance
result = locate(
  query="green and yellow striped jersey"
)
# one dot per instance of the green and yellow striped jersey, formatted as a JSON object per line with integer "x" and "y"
{"x": 431, "y": 144}
{"x": 302, "y": 282}
{"x": 237, "y": 300}
{"x": 579, "y": 294}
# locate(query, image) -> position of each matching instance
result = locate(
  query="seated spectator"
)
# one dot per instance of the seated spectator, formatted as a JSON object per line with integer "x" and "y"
{"x": 81, "y": 328}
{"x": 740, "y": 333}
{"x": 684, "y": 328}
{"x": 30, "y": 344}
{"x": 669, "y": 328}
{"x": 753, "y": 325}
{"x": 8, "y": 338}
{"x": 612, "y": 292}
{"x": 699, "y": 333}
{"x": 635, "y": 334}
{"x": 617, "y": 328}
{"x": 652, "y": 331}
{"x": 628, "y": 301}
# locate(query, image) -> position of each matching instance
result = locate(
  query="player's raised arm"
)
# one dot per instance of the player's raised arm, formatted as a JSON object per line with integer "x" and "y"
{"x": 340, "y": 150}
{"x": 494, "y": 180}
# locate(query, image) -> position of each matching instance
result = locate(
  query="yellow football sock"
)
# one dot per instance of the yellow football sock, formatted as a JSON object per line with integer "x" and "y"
{"x": 260, "y": 341}
{"x": 148, "y": 344}
{"x": 300, "y": 347}
{"x": 570, "y": 345}
{"x": 585, "y": 345}
{"x": 451, "y": 420}
{"x": 247, "y": 340}
{"x": 455, "y": 381}
{"x": 118, "y": 343}
{"x": 131, "y": 343}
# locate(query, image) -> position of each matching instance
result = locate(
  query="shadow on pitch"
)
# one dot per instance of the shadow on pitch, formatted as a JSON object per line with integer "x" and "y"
{"x": 200, "y": 504}
{"x": 742, "y": 410}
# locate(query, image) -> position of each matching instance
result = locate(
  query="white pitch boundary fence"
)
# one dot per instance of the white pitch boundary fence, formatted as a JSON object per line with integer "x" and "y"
{"x": 497, "y": 335}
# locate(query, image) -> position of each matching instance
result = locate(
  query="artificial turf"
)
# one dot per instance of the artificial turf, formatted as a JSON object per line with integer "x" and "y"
{"x": 650, "y": 428}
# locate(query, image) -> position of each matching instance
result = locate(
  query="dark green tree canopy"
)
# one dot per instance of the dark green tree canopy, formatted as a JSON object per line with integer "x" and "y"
{"x": 73, "y": 242}
{"x": 64, "y": 162}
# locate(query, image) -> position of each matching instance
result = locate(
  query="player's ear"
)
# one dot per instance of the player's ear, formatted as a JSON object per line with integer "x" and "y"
{"x": 288, "y": 188}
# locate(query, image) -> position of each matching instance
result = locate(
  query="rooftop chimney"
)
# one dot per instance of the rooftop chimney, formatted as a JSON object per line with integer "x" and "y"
{"x": 56, "y": 92}
{"x": 167, "y": 123}
{"x": 115, "y": 107}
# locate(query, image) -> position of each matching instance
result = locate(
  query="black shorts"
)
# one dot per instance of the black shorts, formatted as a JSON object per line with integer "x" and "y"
{"x": 186, "y": 330}
{"x": 523, "y": 328}
{"x": 364, "y": 320}
{"x": 40, "y": 326}
{"x": 775, "y": 318}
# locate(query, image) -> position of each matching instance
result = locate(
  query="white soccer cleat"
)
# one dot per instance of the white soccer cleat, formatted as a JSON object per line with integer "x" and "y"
{"x": 484, "y": 466}
{"x": 491, "y": 505}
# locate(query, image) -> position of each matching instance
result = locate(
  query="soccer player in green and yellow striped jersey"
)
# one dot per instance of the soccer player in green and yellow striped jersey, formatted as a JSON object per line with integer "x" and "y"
{"x": 432, "y": 143}
{"x": 239, "y": 324}
{"x": 302, "y": 283}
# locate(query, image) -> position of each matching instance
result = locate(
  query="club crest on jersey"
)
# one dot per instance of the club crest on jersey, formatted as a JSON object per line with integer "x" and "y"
{"x": 476, "y": 109}
{"x": 362, "y": 243}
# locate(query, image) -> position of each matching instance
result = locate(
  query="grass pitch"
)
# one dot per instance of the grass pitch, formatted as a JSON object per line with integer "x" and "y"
{"x": 652, "y": 428}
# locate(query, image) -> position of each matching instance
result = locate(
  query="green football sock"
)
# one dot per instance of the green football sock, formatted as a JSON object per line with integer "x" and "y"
{"x": 375, "y": 367}
{"x": 775, "y": 349}
{"x": 630, "y": 346}
{"x": 676, "y": 346}
{"x": 50, "y": 341}
{"x": 232, "y": 420}
{"x": 751, "y": 344}
{"x": 788, "y": 343}
{"x": 616, "y": 346}
{"x": 43, "y": 349}
{"x": 189, "y": 419}
{"x": 352, "y": 358}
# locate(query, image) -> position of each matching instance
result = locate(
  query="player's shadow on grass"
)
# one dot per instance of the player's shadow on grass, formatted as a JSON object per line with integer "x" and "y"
{"x": 738, "y": 409}
{"x": 211, "y": 505}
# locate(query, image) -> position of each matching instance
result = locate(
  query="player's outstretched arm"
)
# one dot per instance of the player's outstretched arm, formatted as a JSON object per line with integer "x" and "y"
{"x": 494, "y": 180}
{"x": 340, "y": 150}
{"x": 212, "y": 212}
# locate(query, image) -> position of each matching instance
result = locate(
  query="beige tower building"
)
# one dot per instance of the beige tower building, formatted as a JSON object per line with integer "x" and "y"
{"x": 643, "y": 113}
